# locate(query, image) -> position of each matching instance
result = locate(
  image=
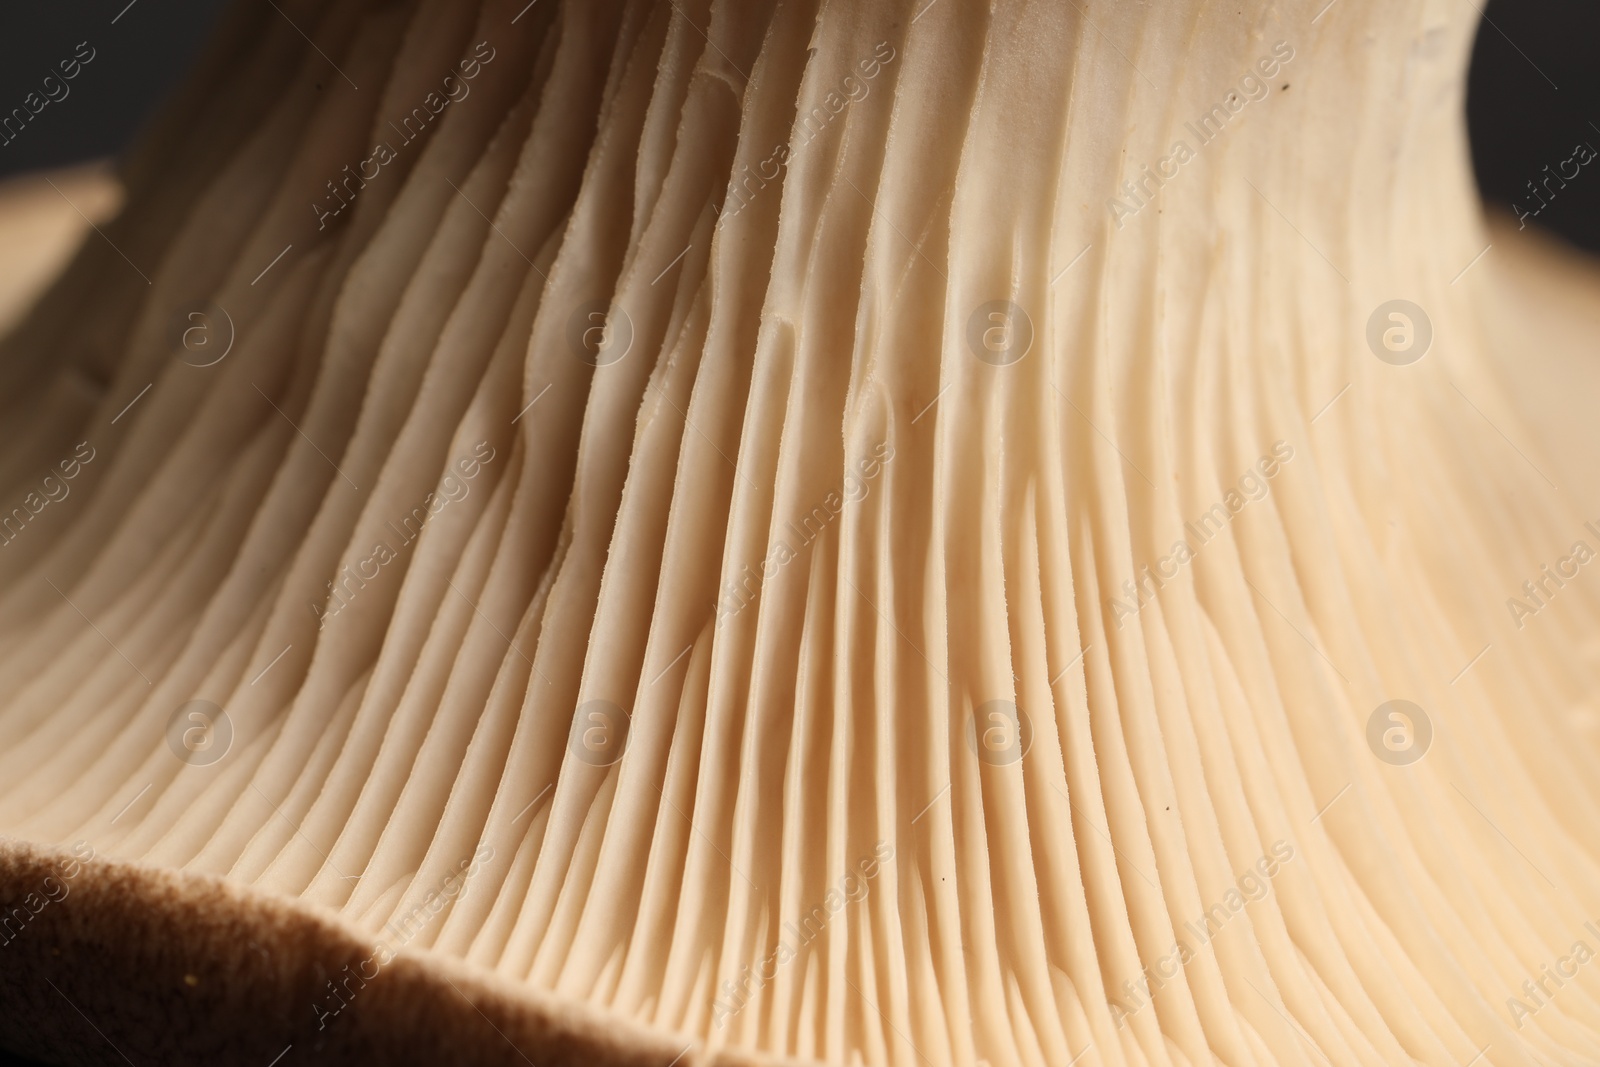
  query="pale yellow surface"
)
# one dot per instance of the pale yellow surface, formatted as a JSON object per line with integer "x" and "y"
{"x": 41, "y": 226}
{"x": 812, "y": 528}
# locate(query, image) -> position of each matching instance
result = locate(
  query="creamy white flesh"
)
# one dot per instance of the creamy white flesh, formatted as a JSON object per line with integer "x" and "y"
{"x": 800, "y": 370}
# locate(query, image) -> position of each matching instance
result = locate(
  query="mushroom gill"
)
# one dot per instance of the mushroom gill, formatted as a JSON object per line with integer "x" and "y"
{"x": 850, "y": 531}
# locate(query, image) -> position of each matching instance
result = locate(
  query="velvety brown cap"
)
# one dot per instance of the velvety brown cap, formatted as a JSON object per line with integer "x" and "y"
{"x": 104, "y": 962}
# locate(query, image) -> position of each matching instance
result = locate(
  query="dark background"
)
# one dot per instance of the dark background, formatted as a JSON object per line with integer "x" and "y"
{"x": 1532, "y": 96}
{"x": 137, "y": 62}
{"x": 1533, "y": 93}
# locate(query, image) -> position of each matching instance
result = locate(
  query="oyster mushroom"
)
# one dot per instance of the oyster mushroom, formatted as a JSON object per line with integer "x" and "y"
{"x": 851, "y": 532}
